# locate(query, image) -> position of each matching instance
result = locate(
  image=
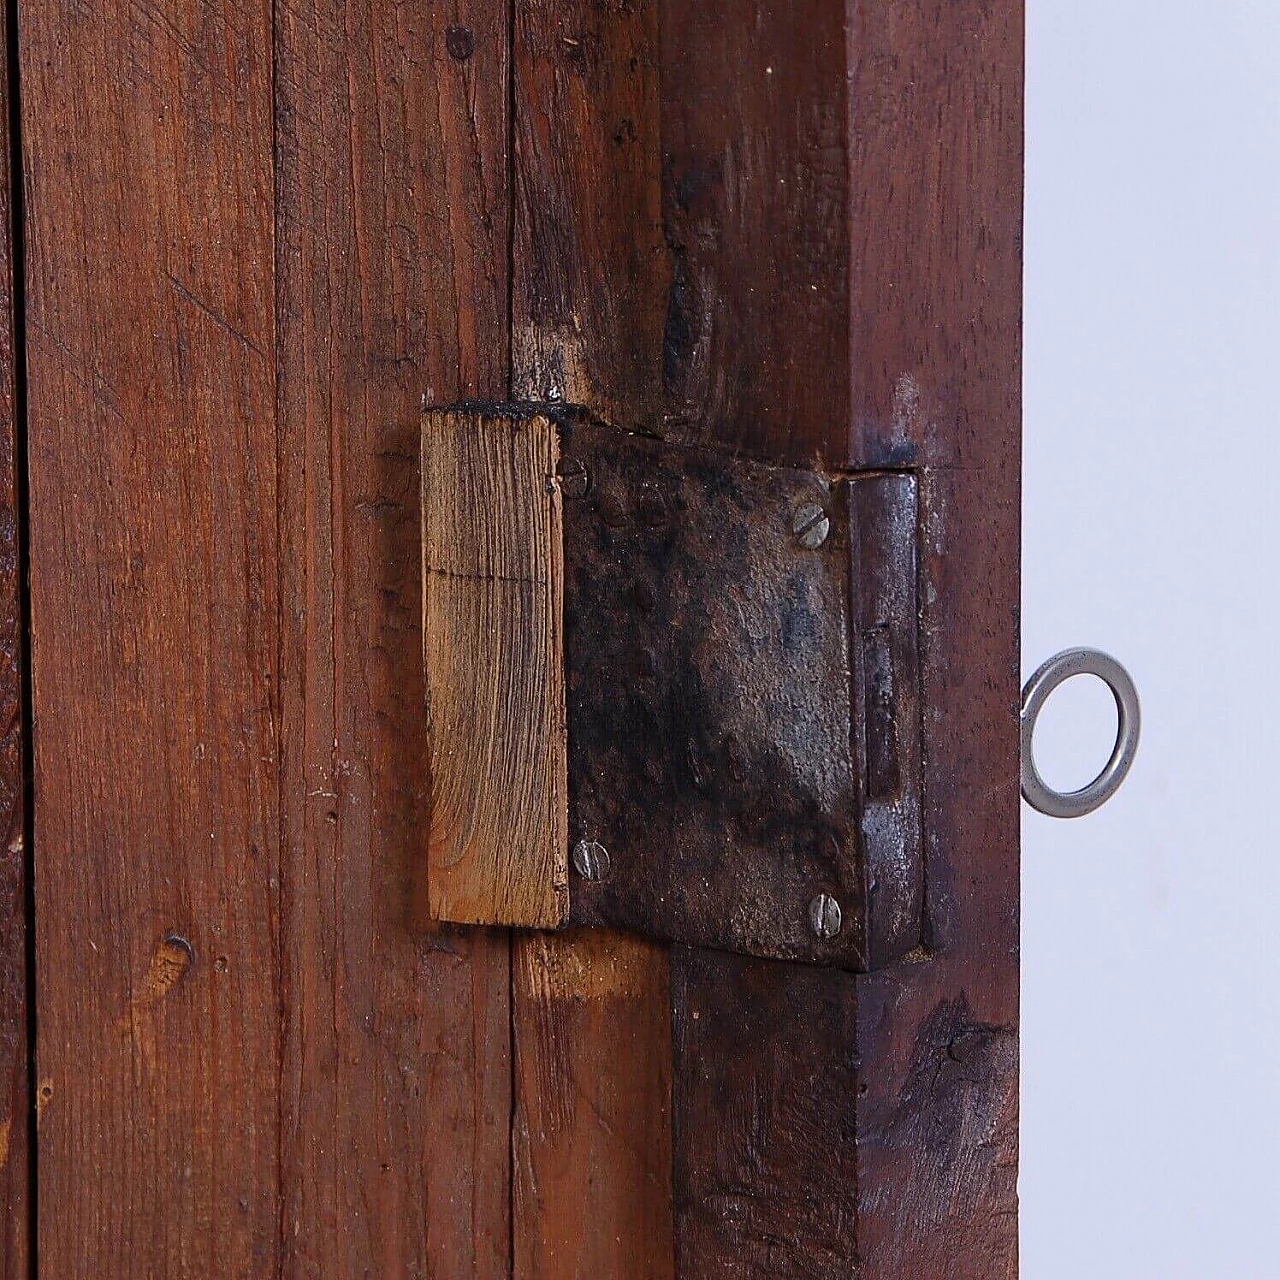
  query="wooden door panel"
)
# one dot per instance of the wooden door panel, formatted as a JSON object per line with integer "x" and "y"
{"x": 391, "y": 209}
{"x": 15, "y": 1087}
{"x": 258, "y": 242}
{"x": 242, "y": 278}
{"x": 155, "y": 634}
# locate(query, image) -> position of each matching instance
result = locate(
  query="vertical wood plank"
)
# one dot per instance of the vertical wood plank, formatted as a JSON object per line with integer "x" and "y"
{"x": 591, "y": 268}
{"x": 392, "y": 228}
{"x": 14, "y": 1083}
{"x": 592, "y": 1123}
{"x": 756, "y": 199}
{"x": 756, "y": 207}
{"x": 152, "y": 452}
{"x": 937, "y": 133}
{"x": 493, "y": 640}
{"x": 592, "y": 1135}
{"x": 773, "y": 1195}
{"x": 923, "y": 168}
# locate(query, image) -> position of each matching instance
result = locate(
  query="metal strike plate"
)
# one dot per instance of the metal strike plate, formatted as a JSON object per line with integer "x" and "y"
{"x": 742, "y": 668}
{"x": 741, "y": 698}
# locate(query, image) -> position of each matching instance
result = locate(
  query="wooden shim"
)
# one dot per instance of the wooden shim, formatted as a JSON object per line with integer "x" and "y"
{"x": 493, "y": 637}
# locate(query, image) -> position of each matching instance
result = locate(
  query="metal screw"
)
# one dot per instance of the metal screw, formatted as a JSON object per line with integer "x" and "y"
{"x": 825, "y": 916}
{"x": 591, "y": 860}
{"x": 652, "y": 507}
{"x": 811, "y": 525}
{"x": 575, "y": 480}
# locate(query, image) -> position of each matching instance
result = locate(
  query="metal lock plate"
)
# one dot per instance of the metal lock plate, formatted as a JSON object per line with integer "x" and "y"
{"x": 741, "y": 664}
{"x": 739, "y": 737}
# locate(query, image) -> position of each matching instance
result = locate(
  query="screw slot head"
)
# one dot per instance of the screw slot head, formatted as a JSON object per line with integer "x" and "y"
{"x": 575, "y": 480}
{"x": 825, "y": 916}
{"x": 591, "y": 860}
{"x": 810, "y": 525}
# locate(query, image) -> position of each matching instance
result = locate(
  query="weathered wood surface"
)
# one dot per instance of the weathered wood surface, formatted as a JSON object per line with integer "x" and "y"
{"x": 15, "y": 1096}
{"x": 775, "y": 1193}
{"x": 253, "y": 1058}
{"x": 838, "y": 281}
{"x": 936, "y": 315}
{"x": 155, "y": 636}
{"x": 256, "y": 239}
{"x": 493, "y": 640}
{"x": 593, "y": 1079}
{"x": 589, "y": 273}
{"x": 391, "y": 222}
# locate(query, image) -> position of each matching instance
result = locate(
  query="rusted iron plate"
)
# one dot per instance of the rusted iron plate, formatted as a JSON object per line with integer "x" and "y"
{"x": 740, "y": 646}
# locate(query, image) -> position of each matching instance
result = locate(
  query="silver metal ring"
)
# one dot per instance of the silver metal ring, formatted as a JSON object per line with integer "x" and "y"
{"x": 1078, "y": 662}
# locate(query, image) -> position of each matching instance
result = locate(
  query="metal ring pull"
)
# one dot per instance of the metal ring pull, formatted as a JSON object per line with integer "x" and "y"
{"x": 1078, "y": 662}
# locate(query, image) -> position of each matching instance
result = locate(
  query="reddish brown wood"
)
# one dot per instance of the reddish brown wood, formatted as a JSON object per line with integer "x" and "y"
{"x": 929, "y": 154}
{"x": 257, "y": 238}
{"x": 937, "y": 111}
{"x": 591, "y": 268}
{"x": 837, "y": 281}
{"x": 14, "y": 1084}
{"x": 155, "y": 635}
{"x": 589, "y": 284}
{"x": 756, "y": 207}
{"x": 592, "y": 1136}
{"x": 392, "y": 243}
{"x": 254, "y": 1057}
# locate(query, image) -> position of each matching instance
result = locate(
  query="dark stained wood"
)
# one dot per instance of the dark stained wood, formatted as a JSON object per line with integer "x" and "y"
{"x": 392, "y": 240}
{"x": 590, "y": 280}
{"x": 155, "y": 635}
{"x": 937, "y": 113}
{"x": 14, "y": 1084}
{"x": 756, "y": 206}
{"x": 774, "y": 1197}
{"x": 920, "y": 321}
{"x": 591, "y": 268}
{"x": 593, "y": 1076}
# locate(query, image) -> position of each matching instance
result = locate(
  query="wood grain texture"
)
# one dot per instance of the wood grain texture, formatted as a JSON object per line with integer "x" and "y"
{"x": 593, "y": 1079}
{"x": 255, "y": 1060}
{"x": 756, "y": 207}
{"x": 921, "y": 319}
{"x": 591, "y": 271}
{"x": 493, "y": 639}
{"x": 155, "y": 636}
{"x": 392, "y": 241}
{"x": 756, "y": 358}
{"x": 590, "y": 279}
{"x": 937, "y": 131}
{"x": 15, "y": 1086}
{"x": 775, "y": 1196}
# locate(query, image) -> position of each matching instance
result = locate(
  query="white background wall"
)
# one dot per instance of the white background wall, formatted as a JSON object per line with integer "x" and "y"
{"x": 1151, "y": 931}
